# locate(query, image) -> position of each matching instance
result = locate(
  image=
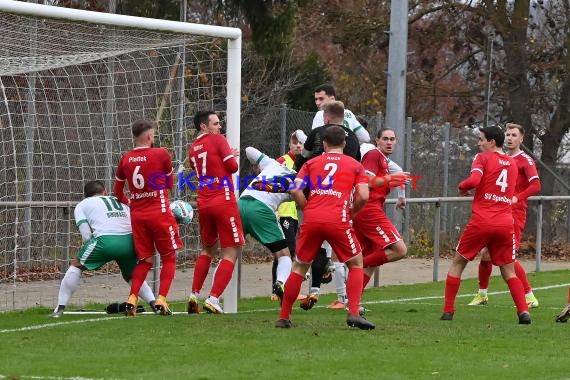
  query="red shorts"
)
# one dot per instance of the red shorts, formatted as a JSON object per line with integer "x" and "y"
{"x": 519, "y": 218}
{"x": 152, "y": 232}
{"x": 374, "y": 230}
{"x": 499, "y": 240}
{"x": 341, "y": 238}
{"x": 223, "y": 223}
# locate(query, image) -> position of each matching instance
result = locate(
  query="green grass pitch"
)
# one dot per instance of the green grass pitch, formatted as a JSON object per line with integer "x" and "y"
{"x": 410, "y": 342}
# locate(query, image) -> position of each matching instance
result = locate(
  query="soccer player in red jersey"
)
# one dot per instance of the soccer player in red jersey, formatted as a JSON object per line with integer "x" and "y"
{"x": 331, "y": 179}
{"x": 220, "y": 224}
{"x": 381, "y": 242}
{"x": 148, "y": 172}
{"x": 494, "y": 178}
{"x": 528, "y": 184}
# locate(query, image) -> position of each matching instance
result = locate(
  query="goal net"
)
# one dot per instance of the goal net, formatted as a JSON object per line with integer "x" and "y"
{"x": 69, "y": 91}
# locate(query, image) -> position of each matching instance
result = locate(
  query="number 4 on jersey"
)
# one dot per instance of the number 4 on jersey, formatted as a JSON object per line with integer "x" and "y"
{"x": 502, "y": 181}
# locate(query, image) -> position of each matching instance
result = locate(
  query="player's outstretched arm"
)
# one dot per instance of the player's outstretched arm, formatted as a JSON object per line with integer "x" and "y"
{"x": 299, "y": 198}
{"x": 470, "y": 183}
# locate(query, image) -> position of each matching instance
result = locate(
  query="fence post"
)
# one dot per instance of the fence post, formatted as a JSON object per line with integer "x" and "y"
{"x": 538, "y": 235}
{"x": 436, "y": 232}
{"x": 283, "y": 119}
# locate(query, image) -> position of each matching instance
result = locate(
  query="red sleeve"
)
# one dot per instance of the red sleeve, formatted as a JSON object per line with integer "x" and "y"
{"x": 230, "y": 162}
{"x": 471, "y": 182}
{"x": 533, "y": 188}
{"x": 167, "y": 167}
{"x": 476, "y": 173}
{"x": 119, "y": 192}
{"x": 361, "y": 176}
{"x": 280, "y": 159}
{"x": 303, "y": 172}
{"x": 371, "y": 162}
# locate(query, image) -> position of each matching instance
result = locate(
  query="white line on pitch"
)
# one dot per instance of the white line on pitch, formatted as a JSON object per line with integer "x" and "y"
{"x": 47, "y": 325}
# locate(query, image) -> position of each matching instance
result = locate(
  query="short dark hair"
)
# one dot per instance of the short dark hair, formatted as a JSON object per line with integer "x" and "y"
{"x": 494, "y": 133}
{"x": 202, "y": 117}
{"x": 141, "y": 126}
{"x": 92, "y": 188}
{"x": 334, "y": 136}
{"x": 382, "y": 130}
{"x": 516, "y": 126}
{"x": 327, "y": 88}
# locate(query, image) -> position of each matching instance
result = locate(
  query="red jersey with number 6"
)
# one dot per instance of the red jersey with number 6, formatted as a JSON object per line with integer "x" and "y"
{"x": 492, "y": 200}
{"x": 213, "y": 160}
{"x": 148, "y": 171}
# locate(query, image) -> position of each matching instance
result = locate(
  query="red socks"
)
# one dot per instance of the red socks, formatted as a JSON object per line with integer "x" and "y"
{"x": 451, "y": 288}
{"x": 292, "y": 289}
{"x": 200, "y": 272}
{"x": 139, "y": 275}
{"x": 485, "y": 270}
{"x": 167, "y": 273}
{"x": 222, "y": 277}
{"x": 517, "y": 292}
{"x": 375, "y": 259}
{"x": 521, "y": 274}
{"x": 366, "y": 279}
{"x": 354, "y": 288}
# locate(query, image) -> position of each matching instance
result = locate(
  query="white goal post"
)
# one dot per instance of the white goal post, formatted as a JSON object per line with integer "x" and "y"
{"x": 71, "y": 83}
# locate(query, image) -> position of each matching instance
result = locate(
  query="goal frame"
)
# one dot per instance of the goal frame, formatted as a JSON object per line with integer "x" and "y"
{"x": 234, "y": 40}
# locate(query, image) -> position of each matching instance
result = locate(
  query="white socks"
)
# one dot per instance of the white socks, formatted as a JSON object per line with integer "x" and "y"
{"x": 146, "y": 292}
{"x": 284, "y": 265}
{"x": 69, "y": 285}
{"x": 339, "y": 281}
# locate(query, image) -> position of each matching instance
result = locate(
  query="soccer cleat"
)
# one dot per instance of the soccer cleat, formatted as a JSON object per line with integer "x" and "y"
{"x": 193, "y": 307}
{"x": 360, "y": 322}
{"x": 213, "y": 306}
{"x": 336, "y": 304}
{"x": 131, "y": 306}
{"x": 479, "y": 299}
{"x": 283, "y": 324}
{"x": 531, "y": 301}
{"x": 524, "y": 318}
{"x": 58, "y": 312}
{"x": 309, "y": 302}
{"x": 278, "y": 291}
{"x": 162, "y": 306}
{"x": 564, "y": 315}
{"x": 152, "y": 305}
{"x": 446, "y": 317}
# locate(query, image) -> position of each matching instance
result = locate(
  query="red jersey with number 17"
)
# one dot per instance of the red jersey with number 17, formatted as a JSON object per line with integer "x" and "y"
{"x": 212, "y": 159}
{"x": 148, "y": 171}
{"x": 329, "y": 200}
{"x": 493, "y": 196}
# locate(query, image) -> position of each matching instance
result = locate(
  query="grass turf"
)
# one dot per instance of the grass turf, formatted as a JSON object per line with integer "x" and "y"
{"x": 409, "y": 342}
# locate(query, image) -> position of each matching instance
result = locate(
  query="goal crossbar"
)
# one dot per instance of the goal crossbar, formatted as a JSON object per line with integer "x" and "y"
{"x": 30, "y": 9}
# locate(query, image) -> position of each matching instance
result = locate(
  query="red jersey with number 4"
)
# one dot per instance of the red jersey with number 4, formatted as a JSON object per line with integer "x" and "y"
{"x": 212, "y": 159}
{"x": 376, "y": 164}
{"x": 493, "y": 196}
{"x": 331, "y": 178}
{"x": 526, "y": 173}
{"x": 148, "y": 171}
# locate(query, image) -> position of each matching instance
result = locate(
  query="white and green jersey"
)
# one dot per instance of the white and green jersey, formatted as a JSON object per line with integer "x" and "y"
{"x": 271, "y": 171}
{"x": 105, "y": 215}
{"x": 350, "y": 122}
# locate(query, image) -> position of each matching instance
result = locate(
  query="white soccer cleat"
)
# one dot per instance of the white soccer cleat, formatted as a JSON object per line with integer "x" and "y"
{"x": 212, "y": 305}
